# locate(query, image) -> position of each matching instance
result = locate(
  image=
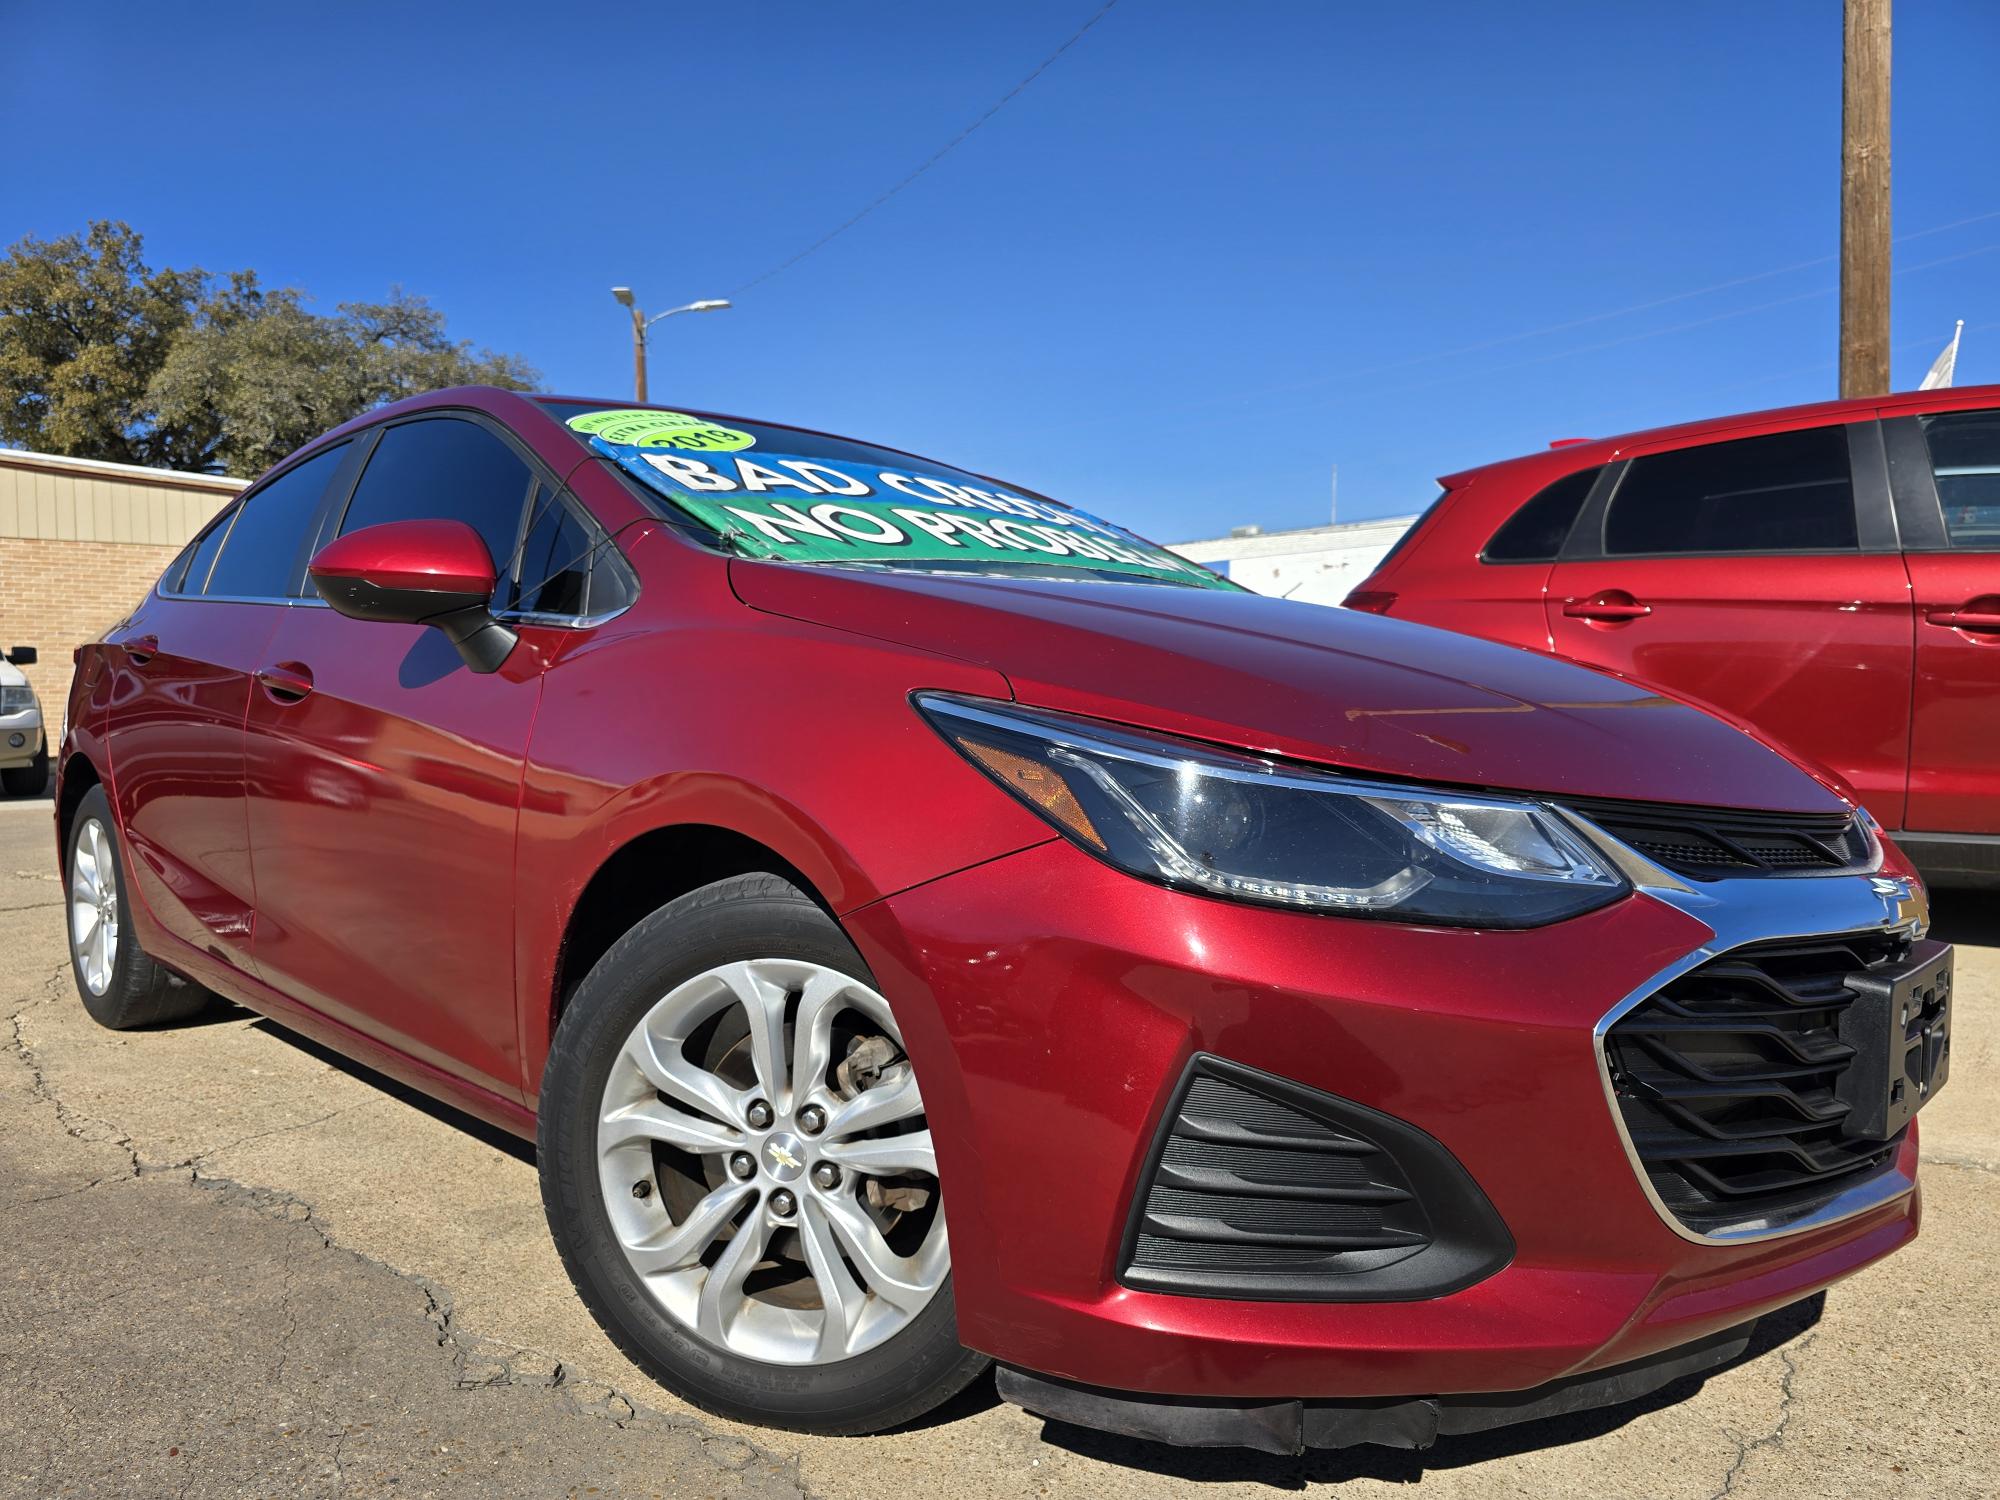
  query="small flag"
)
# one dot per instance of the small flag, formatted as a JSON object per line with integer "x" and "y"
{"x": 1946, "y": 363}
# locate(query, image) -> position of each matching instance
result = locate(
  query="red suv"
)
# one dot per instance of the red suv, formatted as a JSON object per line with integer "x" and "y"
{"x": 1827, "y": 574}
{"x": 781, "y": 829}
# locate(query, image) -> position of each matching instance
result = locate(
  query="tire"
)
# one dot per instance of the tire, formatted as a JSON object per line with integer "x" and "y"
{"x": 801, "y": 1353}
{"x": 121, "y": 986}
{"x": 30, "y": 780}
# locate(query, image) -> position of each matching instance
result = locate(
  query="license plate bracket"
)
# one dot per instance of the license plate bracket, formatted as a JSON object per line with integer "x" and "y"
{"x": 1899, "y": 1026}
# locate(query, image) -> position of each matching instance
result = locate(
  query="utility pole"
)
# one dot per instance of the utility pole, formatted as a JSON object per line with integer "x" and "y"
{"x": 641, "y": 325}
{"x": 638, "y": 356}
{"x": 1864, "y": 200}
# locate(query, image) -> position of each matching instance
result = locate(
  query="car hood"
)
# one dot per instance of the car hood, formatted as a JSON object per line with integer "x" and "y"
{"x": 11, "y": 675}
{"x": 1343, "y": 688}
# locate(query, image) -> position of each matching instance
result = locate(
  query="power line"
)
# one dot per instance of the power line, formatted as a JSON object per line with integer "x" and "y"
{"x": 1319, "y": 382}
{"x": 1620, "y": 312}
{"x": 1317, "y": 403}
{"x": 933, "y": 159}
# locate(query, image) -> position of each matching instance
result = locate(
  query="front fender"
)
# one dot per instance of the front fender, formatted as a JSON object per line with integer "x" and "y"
{"x": 828, "y": 765}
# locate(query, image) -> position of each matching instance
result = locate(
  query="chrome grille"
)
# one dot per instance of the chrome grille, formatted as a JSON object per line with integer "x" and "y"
{"x": 1728, "y": 1080}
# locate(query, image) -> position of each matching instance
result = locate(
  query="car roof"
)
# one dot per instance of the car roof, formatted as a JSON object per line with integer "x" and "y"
{"x": 501, "y": 403}
{"x": 1812, "y": 414}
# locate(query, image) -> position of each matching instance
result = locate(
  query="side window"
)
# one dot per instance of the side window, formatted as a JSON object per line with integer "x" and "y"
{"x": 188, "y": 573}
{"x": 260, "y": 548}
{"x": 1788, "y": 492}
{"x": 567, "y": 565}
{"x": 1536, "y": 532}
{"x": 444, "y": 469}
{"x": 1965, "y": 458}
{"x": 554, "y": 575}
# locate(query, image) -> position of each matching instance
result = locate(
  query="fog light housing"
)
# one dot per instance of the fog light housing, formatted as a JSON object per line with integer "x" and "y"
{"x": 16, "y": 740}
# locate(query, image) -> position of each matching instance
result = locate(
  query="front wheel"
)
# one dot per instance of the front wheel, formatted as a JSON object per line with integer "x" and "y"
{"x": 738, "y": 1172}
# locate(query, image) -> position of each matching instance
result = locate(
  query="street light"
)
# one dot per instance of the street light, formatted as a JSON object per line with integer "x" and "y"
{"x": 640, "y": 323}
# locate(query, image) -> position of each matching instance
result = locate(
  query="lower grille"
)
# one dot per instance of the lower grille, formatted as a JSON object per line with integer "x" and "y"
{"x": 1710, "y": 843}
{"x": 1262, "y": 1188}
{"x": 1729, "y": 1081}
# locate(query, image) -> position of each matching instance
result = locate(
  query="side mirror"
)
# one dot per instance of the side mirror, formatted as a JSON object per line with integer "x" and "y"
{"x": 24, "y": 656}
{"x": 418, "y": 573}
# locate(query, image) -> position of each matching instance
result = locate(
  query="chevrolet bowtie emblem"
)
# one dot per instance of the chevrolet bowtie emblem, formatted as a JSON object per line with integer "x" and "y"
{"x": 782, "y": 1157}
{"x": 1907, "y": 901}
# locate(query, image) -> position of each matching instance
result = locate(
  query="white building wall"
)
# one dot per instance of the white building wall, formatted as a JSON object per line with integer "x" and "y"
{"x": 1318, "y": 565}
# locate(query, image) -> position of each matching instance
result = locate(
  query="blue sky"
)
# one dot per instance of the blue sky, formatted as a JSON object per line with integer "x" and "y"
{"x": 1213, "y": 250}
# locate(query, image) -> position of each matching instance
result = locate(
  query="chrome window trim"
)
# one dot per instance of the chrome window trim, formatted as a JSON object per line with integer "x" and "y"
{"x": 509, "y": 616}
{"x": 1737, "y": 912}
{"x": 286, "y": 600}
{"x": 558, "y": 621}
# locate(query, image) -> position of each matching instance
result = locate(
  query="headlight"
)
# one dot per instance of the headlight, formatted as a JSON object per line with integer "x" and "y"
{"x": 1203, "y": 819}
{"x": 16, "y": 700}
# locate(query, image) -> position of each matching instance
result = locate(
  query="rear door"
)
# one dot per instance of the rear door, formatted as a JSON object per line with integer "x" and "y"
{"x": 1760, "y": 575}
{"x": 1947, "y": 472}
{"x": 181, "y": 667}
{"x": 385, "y": 774}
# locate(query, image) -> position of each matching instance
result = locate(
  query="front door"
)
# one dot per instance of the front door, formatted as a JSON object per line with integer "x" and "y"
{"x": 1954, "y": 565}
{"x": 384, "y": 781}
{"x": 1758, "y": 576}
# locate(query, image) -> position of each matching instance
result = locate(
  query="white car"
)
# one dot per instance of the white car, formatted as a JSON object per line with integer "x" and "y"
{"x": 24, "y": 748}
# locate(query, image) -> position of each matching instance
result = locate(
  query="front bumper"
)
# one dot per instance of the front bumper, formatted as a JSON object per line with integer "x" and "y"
{"x": 1291, "y": 1427}
{"x": 25, "y": 728}
{"x": 1052, "y": 1004}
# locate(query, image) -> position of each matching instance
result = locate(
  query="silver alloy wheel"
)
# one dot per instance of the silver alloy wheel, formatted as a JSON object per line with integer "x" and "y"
{"x": 93, "y": 906}
{"x": 775, "y": 1258}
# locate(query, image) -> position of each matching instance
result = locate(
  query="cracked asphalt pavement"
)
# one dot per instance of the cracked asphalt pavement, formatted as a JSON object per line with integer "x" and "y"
{"x": 236, "y": 1265}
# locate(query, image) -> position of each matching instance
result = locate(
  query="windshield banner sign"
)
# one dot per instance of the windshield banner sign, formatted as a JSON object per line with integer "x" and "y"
{"x": 779, "y": 506}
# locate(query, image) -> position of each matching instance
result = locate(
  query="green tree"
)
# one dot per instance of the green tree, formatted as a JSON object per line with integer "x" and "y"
{"x": 101, "y": 357}
{"x": 84, "y": 327}
{"x": 273, "y": 374}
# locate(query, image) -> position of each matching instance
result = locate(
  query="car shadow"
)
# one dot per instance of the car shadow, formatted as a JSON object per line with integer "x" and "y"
{"x": 1400, "y": 1466}
{"x": 1969, "y": 916}
{"x": 472, "y": 1125}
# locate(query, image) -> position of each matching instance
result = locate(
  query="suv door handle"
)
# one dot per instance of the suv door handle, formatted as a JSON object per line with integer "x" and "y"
{"x": 143, "y": 650}
{"x": 285, "y": 681}
{"x": 1968, "y": 616}
{"x": 1612, "y": 607}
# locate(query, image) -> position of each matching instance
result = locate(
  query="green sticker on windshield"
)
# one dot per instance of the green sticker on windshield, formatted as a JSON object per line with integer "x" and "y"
{"x": 661, "y": 429}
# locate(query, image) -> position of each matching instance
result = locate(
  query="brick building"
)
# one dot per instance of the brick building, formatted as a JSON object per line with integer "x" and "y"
{"x": 80, "y": 543}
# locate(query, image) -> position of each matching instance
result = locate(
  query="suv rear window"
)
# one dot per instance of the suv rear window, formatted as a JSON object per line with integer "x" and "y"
{"x": 1536, "y": 532}
{"x": 1965, "y": 458}
{"x": 1785, "y": 492}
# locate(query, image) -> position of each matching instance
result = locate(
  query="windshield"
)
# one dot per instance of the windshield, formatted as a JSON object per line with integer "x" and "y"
{"x": 783, "y": 494}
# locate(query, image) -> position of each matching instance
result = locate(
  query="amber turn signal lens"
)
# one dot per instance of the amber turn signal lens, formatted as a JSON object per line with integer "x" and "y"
{"x": 1036, "y": 783}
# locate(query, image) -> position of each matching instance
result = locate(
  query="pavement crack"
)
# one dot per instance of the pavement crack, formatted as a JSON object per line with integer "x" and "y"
{"x": 244, "y": 1140}
{"x": 476, "y": 1363}
{"x": 480, "y": 1363}
{"x": 1776, "y": 1436}
{"x": 74, "y": 1123}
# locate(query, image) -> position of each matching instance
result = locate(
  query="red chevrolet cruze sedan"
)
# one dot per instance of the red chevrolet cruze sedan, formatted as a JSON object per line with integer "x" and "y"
{"x": 1318, "y": 1029}
{"x": 1828, "y": 574}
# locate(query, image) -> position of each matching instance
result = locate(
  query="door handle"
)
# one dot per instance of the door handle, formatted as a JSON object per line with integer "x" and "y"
{"x": 1966, "y": 617}
{"x": 1610, "y": 609}
{"x": 285, "y": 681}
{"x": 143, "y": 650}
